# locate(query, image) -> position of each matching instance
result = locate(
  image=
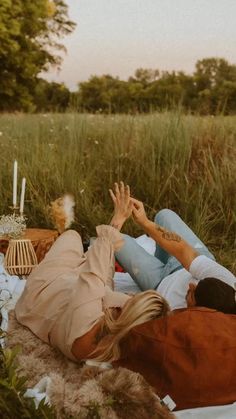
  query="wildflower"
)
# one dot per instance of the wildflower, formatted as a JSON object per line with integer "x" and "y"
{"x": 1, "y": 133}
{"x": 96, "y": 142}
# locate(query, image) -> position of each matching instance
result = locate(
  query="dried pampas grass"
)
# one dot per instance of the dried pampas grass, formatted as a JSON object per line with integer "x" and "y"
{"x": 62, "y": 212}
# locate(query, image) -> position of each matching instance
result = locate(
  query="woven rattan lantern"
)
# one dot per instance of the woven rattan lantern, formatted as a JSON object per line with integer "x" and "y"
{"x": 20, "y": 257}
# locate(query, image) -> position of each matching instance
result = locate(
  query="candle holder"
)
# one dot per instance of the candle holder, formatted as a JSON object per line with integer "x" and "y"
{"x": 20, "y": 257}
{"x": 14, "y": 209}
{"x": 22, "y": 216}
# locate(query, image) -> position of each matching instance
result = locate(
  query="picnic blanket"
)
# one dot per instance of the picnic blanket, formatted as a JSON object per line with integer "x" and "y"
{"x": 11, "y": 288}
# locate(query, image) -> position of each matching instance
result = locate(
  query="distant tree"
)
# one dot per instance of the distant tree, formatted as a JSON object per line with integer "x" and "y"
{"x": 210, "y": 72}
{"x": 105, "y": 93}
{"x": 28, "y": 39}
{"x": 51, "y": 97}
{"x": 137, "y": 98}
{"x": 92, "y": 93}
{"x": 188, "y": 90}
{"x": 227, "y": 97}
{"x": 215, "y": 82}
{"x": 145, "y": 75}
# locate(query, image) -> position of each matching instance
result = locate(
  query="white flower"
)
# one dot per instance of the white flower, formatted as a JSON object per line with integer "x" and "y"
{"x": 1, "y": 133}
{"x": 12, "y": 226}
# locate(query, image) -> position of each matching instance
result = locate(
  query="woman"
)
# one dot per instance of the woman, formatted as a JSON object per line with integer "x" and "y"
{"x": 69, "y": 300}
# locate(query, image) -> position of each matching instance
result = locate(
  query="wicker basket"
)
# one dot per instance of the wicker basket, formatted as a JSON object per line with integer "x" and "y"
{"x": 20, "y": 257}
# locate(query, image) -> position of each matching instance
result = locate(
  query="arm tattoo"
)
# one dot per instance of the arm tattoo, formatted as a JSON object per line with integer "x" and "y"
{"x": 168, "y": 235}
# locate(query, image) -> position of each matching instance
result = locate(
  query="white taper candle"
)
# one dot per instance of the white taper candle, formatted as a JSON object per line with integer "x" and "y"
{"x": 22, "y": 196}
{"x": 15, "y": 184}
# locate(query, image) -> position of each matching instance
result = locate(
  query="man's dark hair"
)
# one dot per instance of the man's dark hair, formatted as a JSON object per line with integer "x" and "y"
{"x": 216, "y": 294}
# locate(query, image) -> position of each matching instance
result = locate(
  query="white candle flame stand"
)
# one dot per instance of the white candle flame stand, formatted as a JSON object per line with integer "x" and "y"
{"x": 20, "y": 257}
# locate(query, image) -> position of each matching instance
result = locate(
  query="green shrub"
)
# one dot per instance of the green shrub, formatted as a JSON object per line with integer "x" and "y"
{"x": 13, "y": 405}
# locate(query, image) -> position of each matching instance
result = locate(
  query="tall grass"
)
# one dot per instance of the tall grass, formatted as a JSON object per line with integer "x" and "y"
{"x": 185, "y": 163}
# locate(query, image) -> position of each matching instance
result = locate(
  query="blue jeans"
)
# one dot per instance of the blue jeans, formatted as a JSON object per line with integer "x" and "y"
{"x": 148, "y": 270}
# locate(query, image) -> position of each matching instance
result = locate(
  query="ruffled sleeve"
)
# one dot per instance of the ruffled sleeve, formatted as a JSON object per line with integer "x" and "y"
{"x": 100, "y": 260}
{"x": 111, "y": 234}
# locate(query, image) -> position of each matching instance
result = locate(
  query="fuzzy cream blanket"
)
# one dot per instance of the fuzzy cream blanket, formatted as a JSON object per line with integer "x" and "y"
{"x": 80, "y": 390}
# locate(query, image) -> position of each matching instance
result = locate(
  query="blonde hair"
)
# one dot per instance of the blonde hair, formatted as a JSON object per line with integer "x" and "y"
{"x": 139, "y": 309}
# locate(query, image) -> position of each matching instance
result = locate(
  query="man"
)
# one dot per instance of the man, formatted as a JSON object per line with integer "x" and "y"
{"x": 183, "y": 270}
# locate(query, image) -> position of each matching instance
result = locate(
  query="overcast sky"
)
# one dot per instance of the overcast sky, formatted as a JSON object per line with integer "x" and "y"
{"x": 118, "y": 36}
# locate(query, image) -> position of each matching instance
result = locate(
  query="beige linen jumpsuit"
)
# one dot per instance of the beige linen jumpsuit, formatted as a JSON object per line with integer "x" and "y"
{"x": 65, "y": 295}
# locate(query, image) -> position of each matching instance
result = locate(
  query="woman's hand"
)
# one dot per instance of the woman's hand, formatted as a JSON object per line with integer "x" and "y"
{"x": 138, "y": 212}
{"x": 122, "y": 204}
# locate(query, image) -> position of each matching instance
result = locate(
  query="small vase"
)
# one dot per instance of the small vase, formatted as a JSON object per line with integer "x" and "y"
{"x": 20, "y": 257}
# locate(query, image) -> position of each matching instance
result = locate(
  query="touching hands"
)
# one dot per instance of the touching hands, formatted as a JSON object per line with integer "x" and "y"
{"x": 138, "y": 212}
{"x": 125, "y": 206}
{"x": 122, "y": 204}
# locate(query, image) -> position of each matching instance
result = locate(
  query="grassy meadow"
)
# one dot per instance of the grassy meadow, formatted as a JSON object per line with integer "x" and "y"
{"x": 183, "y": 162}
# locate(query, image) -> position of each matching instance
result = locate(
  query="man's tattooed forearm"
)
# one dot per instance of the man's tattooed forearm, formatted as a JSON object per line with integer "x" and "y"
{"x": 168, "y": 235}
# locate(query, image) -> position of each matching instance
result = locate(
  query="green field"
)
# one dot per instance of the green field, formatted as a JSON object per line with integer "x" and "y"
{"x": 186, "y": 163}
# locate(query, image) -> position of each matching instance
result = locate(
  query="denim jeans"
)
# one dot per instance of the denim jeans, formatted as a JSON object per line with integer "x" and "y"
{"x": 148, "y": 270}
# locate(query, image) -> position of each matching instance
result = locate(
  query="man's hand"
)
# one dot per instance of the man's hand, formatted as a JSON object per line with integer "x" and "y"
{"x": 138, "y": 212}
{"x": 171, "y": 242}
{"x": 122, "y": 204}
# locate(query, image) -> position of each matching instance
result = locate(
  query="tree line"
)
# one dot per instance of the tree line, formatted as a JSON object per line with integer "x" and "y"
{"x": 211, "y": 89}
{"x": 29, "y": 44}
